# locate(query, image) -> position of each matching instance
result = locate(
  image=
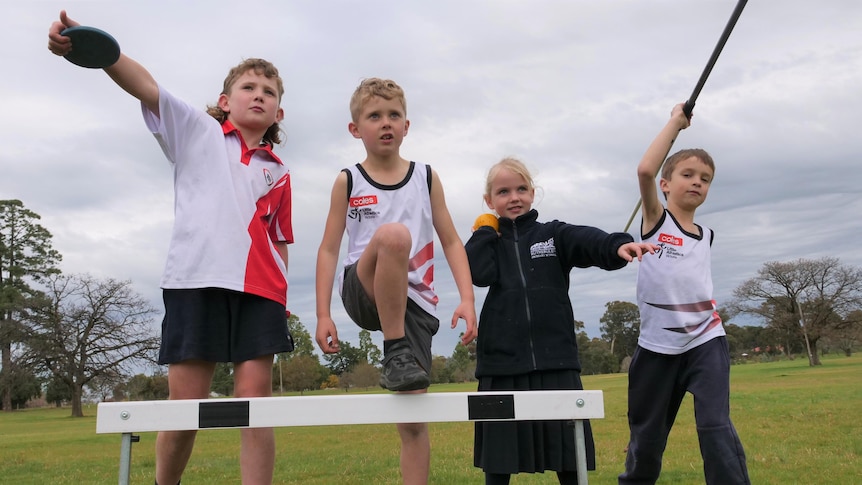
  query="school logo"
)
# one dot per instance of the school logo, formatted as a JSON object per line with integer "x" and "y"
{"x": 267, "y": 177}
{"x": 544, "y": 249}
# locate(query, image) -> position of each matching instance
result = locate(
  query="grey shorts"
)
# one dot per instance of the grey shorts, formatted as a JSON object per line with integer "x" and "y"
{"x": 419, "y": 325}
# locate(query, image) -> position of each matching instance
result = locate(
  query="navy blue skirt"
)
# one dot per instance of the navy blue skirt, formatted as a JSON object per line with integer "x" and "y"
{"x": 530, "y": 446}
{"x": 218, "y": 325}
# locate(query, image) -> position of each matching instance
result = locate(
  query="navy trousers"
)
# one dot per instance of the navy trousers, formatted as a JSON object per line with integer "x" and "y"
{"x": 657, "y": 385}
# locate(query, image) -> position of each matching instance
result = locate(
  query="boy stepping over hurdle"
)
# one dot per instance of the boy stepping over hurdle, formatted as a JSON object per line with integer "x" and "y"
{"x": 390, "y": 208}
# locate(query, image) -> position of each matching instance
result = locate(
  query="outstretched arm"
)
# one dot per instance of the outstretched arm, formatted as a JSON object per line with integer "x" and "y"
{"x": 453, "y": 248}
{"x": 126, "y": 72}
{"x": 650, "y": 165}
{"x": 632, "y": 250}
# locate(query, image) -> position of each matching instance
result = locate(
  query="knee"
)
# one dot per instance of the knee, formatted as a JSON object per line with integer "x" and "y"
{"x": 394, "y": 238}
{"x": 412, "y": 431}
{"x": 252, "y": 389}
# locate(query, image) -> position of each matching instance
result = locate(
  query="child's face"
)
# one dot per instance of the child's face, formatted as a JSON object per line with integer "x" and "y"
{"x": 511, "y": 195}
{"x": 689, "y": 183}
{"x": 252, "y": 102}
{"x": 381, "y": 125}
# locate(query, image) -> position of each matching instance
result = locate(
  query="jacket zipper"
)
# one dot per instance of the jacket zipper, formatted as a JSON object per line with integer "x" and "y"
{"x": 526, "y": 297}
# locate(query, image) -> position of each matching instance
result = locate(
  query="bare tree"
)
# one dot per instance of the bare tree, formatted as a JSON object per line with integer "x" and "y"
{"x": 816, "y": 295}
{"x": 89, "y": 328}
{"x": 848, "y": 335}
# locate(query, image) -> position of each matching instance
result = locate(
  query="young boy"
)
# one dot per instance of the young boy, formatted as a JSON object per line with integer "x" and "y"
{"x": 225, "y": 280}
{"x": 391, "y": 208}
{"x": 682, "y": 345}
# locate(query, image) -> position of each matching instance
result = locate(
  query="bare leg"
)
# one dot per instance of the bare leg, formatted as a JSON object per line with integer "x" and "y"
{"x": 189, "y": 379}
{"x": 382, "y": 270}
{"x": 415, "y": 450}
{"x": 253, "y": 378}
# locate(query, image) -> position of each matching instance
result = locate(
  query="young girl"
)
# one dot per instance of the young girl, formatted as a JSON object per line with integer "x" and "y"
{"x": 526, "y": 327}
{"x": 225, "y": 280}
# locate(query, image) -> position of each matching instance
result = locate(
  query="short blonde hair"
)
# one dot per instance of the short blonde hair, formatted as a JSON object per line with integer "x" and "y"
{"x": 371, "y": 87}
{"x": 513, "y": 165}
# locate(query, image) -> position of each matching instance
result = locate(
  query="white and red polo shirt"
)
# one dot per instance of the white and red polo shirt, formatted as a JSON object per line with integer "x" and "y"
{"x": 231, "y": 203}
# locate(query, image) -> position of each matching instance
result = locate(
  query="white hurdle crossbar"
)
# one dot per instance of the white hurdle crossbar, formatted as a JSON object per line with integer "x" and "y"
{"x": 271, "y": 412}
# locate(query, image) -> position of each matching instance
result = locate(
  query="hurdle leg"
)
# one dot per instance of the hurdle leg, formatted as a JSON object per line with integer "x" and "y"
{"x": 581, "y": 451}
{"x": 126, "y": 457}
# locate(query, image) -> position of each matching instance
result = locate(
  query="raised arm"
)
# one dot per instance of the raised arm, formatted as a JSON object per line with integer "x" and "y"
{"x": 453, "y": 248}
{"x": 126, "y": 72}
{"x": 326, "y": 334}
{"x": 650, "y": 165}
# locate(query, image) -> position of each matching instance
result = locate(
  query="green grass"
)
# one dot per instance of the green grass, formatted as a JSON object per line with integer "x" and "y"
{"x": 798, "y": 425}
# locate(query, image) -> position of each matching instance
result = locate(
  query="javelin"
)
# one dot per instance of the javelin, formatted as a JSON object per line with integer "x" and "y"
{"x": 689, "y": 105}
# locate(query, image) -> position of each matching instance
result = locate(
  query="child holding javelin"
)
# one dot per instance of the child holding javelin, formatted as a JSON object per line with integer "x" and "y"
{"x": 682, "y": 345}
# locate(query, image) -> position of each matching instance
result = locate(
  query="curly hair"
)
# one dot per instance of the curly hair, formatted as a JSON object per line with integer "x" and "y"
{"x": 259, "y": 66}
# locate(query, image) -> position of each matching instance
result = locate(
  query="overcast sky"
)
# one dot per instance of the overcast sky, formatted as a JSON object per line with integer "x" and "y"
{"x": 576, "y": 89}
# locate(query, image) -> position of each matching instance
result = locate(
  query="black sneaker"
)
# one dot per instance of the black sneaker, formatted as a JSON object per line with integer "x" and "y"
{"x": 401, "y": 371}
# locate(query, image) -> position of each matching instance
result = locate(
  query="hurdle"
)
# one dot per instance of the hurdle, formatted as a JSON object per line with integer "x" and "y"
{"x": 132, "y": 417}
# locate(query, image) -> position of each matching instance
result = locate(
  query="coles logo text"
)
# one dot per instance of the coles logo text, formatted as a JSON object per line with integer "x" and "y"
{"x": 363, "y": 200}
{"x": 669, "y": 239}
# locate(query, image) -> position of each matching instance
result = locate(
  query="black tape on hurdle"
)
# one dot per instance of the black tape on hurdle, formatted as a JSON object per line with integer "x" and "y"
{"x": 233, "y": 414}
{"x": 494, "y": 406}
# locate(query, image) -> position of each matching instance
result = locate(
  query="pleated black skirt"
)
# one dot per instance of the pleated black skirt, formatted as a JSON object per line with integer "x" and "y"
{"x": 530, "y": 446}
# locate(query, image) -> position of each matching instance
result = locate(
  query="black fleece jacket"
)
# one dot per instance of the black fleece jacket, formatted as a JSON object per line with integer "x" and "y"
{"x": 526, "y": 323}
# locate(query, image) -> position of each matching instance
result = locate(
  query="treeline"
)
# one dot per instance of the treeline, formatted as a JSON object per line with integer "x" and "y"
{"x": 64, "y": 336}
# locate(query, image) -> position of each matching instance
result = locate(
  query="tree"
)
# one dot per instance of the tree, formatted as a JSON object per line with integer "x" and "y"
{"x": 24, "y": 385}
{"x": 813, "y": 296}
{"x": 302, "y": 343}
{"x": 222, "y": 382}
{"x": 363, "y": 375}
{"x": 595, "y": 355}
{"x": 461, "y": 366}
{"x": 87, "y": 327}
{"x": 302, "y": 347}
{"x": 57, "y": 392}
{"x": 620, "y": 325}
{"x": 303, "y": 372}
{"x": 345, "y": 359}
{"x": 848, "y": 335}
{"x": 26, "y": 257}
{"x": 142, "y": 387}
{"x": 440, "y": 371}
{"x": 104, "y": 385}
{"x": 371, "y": 352}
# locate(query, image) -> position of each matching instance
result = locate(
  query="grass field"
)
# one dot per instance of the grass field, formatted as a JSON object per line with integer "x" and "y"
{"x": 798, "y": 425}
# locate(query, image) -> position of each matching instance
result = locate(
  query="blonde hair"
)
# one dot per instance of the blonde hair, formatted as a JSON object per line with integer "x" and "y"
{"x": 259, "y": 66}
{"x": 368, "y": 88}
{"x": 513, "y": 165}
